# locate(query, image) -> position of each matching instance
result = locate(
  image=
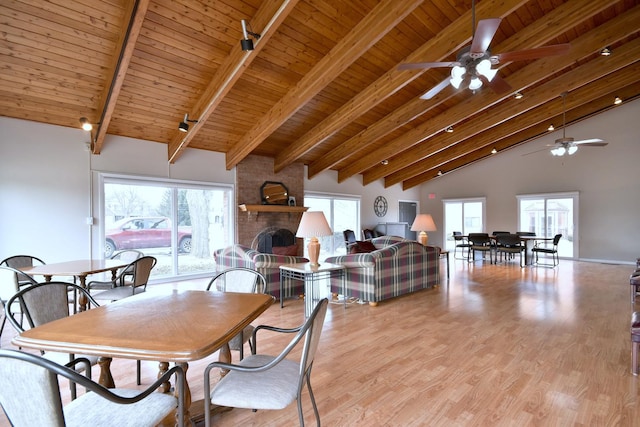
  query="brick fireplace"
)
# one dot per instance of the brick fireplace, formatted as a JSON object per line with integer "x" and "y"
{"x": 251, "y": 173}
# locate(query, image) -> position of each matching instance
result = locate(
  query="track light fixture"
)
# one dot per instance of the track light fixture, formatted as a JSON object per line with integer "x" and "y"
{"x": 439, "y": 173}
{"x": 246, "y": 43}
{"x": 86, "y": 124}
{"x": 606, "y": 51}
{"x": 493, "y": 150}
{"x": 518, "y": 95}
{"x": 385, "y": 162}
{"x": 551, "y": 128}
{"x": 617, "y": 101}
{"x": 184, "y": 125}
{"x": 449, "y": 129}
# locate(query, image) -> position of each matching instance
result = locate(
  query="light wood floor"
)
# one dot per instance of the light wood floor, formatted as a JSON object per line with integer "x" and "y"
{"x": 496, "y": 346}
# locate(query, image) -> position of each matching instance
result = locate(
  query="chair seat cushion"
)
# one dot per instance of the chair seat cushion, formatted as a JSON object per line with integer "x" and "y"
{"x": 275, "y": 388}
{"x": 118, "y": 293}
{"x": 93, "y": 410}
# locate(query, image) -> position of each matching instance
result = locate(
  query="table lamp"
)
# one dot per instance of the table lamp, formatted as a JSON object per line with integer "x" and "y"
{"x": 312, "y": 225}
{"x": 423, "y": 223}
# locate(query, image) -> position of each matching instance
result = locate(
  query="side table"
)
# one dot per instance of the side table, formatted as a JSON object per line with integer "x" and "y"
{"x": 311, "y": 275}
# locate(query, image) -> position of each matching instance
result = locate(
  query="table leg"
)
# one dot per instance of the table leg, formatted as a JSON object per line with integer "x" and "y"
{"x": 106, "y": 379}
{"x": 82, "y": 301}
{"x": 187, "y": 393}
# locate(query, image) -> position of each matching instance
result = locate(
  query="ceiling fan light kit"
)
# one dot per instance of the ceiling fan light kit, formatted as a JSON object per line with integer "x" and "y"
{"x": 472, "y": 67}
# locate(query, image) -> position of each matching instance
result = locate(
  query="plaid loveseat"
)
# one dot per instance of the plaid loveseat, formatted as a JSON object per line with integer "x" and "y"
{"x": 402, "y": 267}
{"x": 266, "y": 264}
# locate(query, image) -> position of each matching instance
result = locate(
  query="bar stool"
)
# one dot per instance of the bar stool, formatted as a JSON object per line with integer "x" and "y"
{"x": 635, "y": 341}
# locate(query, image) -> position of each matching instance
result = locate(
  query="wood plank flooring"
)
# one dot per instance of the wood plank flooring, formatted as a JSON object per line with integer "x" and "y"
{"x": 496, "y": 346}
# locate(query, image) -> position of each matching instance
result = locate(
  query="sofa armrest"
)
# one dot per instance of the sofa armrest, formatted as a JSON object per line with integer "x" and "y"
{"x": 275, "y": 261}
{"x": 353, "y": 260}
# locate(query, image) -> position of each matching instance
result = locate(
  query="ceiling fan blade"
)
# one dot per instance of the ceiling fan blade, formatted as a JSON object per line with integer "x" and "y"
{"x": 497, "y": 84}
{"x": 484, "y": 34}
{"x": 594, "y": 142}
{"x": 539, "y": 52}
{"x": 423, "y": 65}
{"x": 436, "y": 89}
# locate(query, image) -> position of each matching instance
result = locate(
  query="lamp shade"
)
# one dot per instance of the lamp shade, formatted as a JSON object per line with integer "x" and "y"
{"x": 423, "y": 222}
{"x": 313, "y": 224}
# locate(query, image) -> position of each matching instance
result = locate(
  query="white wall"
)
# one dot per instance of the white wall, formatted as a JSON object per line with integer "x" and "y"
{"x": 606, "y": 178}
{"x": 45, "y": 184}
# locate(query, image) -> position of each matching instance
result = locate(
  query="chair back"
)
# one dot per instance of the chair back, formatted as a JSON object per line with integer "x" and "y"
{"x": 509, "y": 241}
{"x": 141, "y": 270}
{"x": 479, "y": 239}
{"x": 526, "y": 233}
{"x": 349, "y": 237}
{"x": 556, "y": 239}
{"x": 495, "y": 233}
{"x": 29, "y": 392}
{"x": 239, "y": 279}
{"x": 368, "y": 234}
{"x": 19, "y": 262}
{"x": 128, "y": 255}
{"x": 44, "y": 302}
{"x": 313, "y": 329}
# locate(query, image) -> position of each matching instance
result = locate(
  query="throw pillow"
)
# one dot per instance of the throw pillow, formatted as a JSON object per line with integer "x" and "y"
{"x": 291, "y": 250}
{"x": 361, "y": 247}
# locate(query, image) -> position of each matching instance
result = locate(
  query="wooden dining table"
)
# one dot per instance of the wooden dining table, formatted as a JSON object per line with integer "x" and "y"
{"x": 77, "y": 268}
{"x": 178, "y": 326}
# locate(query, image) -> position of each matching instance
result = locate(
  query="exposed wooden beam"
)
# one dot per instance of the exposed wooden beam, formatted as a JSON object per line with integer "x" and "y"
{"x": 534, "y": 35}
{"x": 410, "y": 143}
{"x": 269, "y": 17}
{"x": 118, "y": 69}
{"x": 533, "y": 130}
{"x": 369, "y": 30}
{"x": 445, "y": 43}
{"x": 600, "y": 82}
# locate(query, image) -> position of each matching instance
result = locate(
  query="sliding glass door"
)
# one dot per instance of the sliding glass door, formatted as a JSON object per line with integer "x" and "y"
{"x": 463, "y": 215}
{"x": 551, "y": 214}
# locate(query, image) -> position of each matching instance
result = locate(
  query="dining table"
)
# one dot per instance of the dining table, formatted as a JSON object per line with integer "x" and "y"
{"x": 77, "y": 268}
{"x": 178, "y": 326}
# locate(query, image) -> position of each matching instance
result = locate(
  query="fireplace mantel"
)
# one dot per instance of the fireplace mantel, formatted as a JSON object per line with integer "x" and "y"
{"x": 272, "y": 208}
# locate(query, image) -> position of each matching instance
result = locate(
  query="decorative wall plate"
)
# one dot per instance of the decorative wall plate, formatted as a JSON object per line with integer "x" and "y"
{"x": 380, "y": 206}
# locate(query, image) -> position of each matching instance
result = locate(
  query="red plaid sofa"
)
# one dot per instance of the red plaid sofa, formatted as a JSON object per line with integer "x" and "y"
{"x": 397, "y": 267}
{"x": 267, "y": 264}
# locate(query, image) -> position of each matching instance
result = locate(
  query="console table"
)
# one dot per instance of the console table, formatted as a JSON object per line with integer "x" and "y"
{"x": 311, "y": 275}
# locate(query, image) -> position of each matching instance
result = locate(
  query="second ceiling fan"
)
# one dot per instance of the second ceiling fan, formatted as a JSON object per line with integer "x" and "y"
{"x": 473, "y": 65}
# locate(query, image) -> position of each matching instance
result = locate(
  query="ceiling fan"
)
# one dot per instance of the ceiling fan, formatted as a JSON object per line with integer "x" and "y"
{"x": 473, "y": 65}
{"x": 568, "y": 145}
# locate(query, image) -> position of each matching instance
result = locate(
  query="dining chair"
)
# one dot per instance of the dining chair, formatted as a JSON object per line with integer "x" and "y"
{"x": 127, "y": 255}
{"x": 42, "y": 303}
{"x": 19, "y": 262}
{"x": 368, "y": 234}
{"x": 244, "y": 280}
{"x": 549, "y": 248}
{"x": 509, "y": 244}
{"x": 462, "y": 243}
{"x": 9, "y": 285}
{"x": 30, "y": 396}
{"x": 141, "y": 269}
{"x": 270, "y": 382}
{"x": 480, "y": 242}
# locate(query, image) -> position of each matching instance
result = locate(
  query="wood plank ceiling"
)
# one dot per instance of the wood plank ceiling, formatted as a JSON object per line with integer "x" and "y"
{"x": 322, "y": 85}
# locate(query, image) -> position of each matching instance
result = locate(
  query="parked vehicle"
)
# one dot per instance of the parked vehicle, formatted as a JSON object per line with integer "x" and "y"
{"x": 144, "y": 232}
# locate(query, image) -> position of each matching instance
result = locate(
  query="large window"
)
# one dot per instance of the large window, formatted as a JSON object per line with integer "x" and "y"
{"x": 342, "y": 213}
{"x": 551, "y": 214}
{"x": 463, "y": 215}
{"x": 181, "y": 224}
